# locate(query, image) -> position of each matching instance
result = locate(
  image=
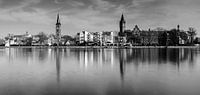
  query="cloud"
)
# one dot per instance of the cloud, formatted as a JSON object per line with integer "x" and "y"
{"x": 102, "y": 5}
{"x": 38, "y": 17}
{"x": 58, "y": 1}
{"x": 99, "y": 15}
{"x": 137, "y": 3}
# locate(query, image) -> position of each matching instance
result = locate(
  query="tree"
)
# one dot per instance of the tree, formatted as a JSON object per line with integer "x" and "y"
{"x": 67, "y": 38}
{"x": 191, "y": 34}
{"x": 28, "y": 41}
{"x": 173, "y": 37}
{"x": 42, "y": 37}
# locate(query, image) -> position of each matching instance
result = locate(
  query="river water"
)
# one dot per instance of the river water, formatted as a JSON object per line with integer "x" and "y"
{"x": 46, "y": 71}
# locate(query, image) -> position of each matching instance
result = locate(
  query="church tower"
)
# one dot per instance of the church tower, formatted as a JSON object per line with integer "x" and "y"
{"x": 58, "y": 30}
{"x": 122, "y": 26}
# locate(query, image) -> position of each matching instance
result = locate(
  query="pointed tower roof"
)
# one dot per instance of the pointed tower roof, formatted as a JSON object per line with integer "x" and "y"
{"x": 122, "y": 17}
{"x": 58, "y": 19}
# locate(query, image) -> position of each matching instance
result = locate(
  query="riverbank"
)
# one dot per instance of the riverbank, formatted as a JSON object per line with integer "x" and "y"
{"x": 103, "y": 47}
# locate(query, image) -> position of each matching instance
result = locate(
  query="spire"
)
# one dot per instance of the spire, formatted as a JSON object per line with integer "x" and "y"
{"x": 178, "y": 27}
{"x": 58, "y": 19}
{"x": 122, "y": 17}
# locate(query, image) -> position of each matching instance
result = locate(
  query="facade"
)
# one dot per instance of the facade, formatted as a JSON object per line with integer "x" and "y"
{"x": 58, "y": 30}
{"x": 107, "y": 37}
{"x": 97, "y": 38}
{"x": 142, "y": 37}
{"x": 84, "y": 37}
{"x": 35, "y": 40}
{"x": 133, "y": 36}
{"x": 51, "y": 40}
{"x": 136, "y": 30}
{"x": 122, "y": 27}
{"x": 25, "y": 39}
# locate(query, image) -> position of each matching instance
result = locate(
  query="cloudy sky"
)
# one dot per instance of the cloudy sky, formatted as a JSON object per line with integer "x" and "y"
{"x": 34, "y": 16}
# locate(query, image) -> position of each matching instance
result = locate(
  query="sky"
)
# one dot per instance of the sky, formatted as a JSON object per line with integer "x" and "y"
{"x": 34, "y": 16}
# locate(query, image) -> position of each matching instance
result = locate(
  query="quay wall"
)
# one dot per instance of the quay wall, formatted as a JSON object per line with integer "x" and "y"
{"x": 103, "y": 47}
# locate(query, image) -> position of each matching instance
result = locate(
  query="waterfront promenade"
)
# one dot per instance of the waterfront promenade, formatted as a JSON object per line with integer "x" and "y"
{"x": 101, "y": 47}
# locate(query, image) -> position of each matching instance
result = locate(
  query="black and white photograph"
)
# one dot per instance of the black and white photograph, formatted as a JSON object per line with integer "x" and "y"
{"x": 99, "y": 47}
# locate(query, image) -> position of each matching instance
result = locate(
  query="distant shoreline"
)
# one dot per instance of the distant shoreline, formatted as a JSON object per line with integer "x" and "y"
{"x": 100, "y": 47}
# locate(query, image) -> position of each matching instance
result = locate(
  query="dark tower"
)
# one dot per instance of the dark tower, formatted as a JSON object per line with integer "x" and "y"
{"x": 178, "y": 27}
{"x": 58, "y": 30}
{"x": 122, "y": 26}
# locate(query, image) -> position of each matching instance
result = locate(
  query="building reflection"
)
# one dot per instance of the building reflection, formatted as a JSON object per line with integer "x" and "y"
{"x": 28, "y": 54}
{"x": 87, "y": 57}
{"x": 160, "y": 56}
{"x": 136, "y": 57}
{"x": 108, "y": 57}
{"x": 58, "y": 59}
{"x": 122, "y": 64}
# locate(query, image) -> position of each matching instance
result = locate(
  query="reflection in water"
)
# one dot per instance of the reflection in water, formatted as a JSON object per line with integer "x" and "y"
{"x": 102, "y": 70}
{"x": 112, "y": 57}
{"x": 58, "y": 59}
{"x": 135, "y": 56}
{"x": 109, "y": 56}
{"x": 122, "y": 64}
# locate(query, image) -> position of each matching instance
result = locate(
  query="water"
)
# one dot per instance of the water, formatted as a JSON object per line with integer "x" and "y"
{"x": 29, "y": 71}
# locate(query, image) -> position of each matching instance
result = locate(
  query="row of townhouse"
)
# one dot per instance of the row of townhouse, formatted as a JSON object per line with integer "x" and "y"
{"x": 96, "y": 38}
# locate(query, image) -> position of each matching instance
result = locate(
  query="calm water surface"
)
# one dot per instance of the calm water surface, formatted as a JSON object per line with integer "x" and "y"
{"x": 29, "y": 71}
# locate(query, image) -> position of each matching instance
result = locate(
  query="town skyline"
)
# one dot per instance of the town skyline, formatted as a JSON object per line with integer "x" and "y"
{"x": 34, "y": 16}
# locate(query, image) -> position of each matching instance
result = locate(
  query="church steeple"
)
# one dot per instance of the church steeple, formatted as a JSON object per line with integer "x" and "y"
{"x": 178, "y": 27}
{"x": 122, "y": 24}
{"x": 122, "y": 18}
{"x": 58, "y": 20}
{"x": 58, "y": 30}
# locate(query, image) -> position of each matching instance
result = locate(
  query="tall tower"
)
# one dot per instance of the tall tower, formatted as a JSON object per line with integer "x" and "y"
{"x": 58, "y": 30}
{"x": 122, "y": 25}
{"x": 178, "y": 27}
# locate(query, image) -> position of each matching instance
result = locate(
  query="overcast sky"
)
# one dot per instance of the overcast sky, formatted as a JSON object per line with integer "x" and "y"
{"x": 34, "y": 16}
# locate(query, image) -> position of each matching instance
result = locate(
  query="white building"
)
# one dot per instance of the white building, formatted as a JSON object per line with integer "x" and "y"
{"x": 17, "y": 39}
{"x": 84, "y": 36}
{"x": 108, "y": 37}
{"x": 97, "y": 37}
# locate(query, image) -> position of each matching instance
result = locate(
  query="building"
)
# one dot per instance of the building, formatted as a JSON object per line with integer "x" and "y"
{"x": 51, "y": 40}
{"x": 84, "y": 38}
{"x": 35, "y": 40}
{"x": 109, "y": 37}
{"x": 136, "y": 30}
{"x": 97, "y": 38}
{"x": 58, "y": 30}
{"x": 15, "y": 40}
{"x": 122, "y": 27}
{"x": 149, "y": 37}
{"x": 133, "y": 36}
